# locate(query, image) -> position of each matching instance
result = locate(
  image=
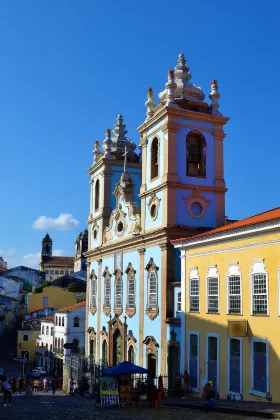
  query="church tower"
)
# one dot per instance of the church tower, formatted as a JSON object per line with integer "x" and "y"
{"x": 182, "y": 156}
{"x": 107, "y": 168}
{"x": 81, "y": 246}
{"x": 46, "y": 246}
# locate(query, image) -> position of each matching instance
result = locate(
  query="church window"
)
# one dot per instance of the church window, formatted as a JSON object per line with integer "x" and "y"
{"x": 131, "y": 291}
{"x": 120, "y": 227}
{"x": 43, "y": 330}
{"x": 93, "y": 292}
{"x": 196, "y": 155}
{"x": 47, "y": 331}
{"x": 152, "y": 285}
{"x": 153, "y": 211}
{"x": 154, "y": 158}
{"x": 118, "y": 292}
{"x": 95, "y": 234}
{"x": 104, "y": 352}
{"x": 107, "y": 291}
{"x": 97, "y": 195}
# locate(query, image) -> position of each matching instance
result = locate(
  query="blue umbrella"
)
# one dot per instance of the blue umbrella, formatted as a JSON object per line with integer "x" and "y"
{"x": 125, "y": 368}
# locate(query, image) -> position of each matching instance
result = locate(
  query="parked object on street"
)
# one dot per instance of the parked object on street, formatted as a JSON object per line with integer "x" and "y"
{"x": 40, "y": 371}
{"x": 22, "y": 360}
{"x": 2, "y": 371}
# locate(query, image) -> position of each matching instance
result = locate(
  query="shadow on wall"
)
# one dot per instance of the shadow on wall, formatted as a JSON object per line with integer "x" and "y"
{"x": 243, "y": 367}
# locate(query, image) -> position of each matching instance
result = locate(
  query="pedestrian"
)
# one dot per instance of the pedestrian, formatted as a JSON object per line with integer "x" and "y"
{"x": 7, "y": 391}
{"x": 36, "y": 385}
{"x": 46, "y": 384}
{"x": 13, "y": 384}
{"x": 53, "y": 386}
{"x": 71, "y": 387}
{"x": 20, "y": 384}
{"x": 186, "y": 379}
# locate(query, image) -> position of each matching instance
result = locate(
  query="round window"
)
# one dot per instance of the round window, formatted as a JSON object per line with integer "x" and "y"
{"x": 154, "y": 211}
{"x": 95, "y": 234}
{"x": 120, "y": 227}
{"x": 196, "y": 208}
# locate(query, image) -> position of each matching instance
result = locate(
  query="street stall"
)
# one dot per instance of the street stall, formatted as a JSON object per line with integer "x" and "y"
{"x": 123, "y": 372}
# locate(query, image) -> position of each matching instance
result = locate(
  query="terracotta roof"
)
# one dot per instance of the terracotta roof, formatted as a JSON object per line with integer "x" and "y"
{"x": 267, "y": 216}
{"x": 47, "y": 319}
{"x": 71, "y": 307}
{"x": 58, "y": 260}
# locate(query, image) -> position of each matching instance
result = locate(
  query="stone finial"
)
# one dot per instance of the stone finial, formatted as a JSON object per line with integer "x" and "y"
{"x": 170, "y": 87}
{"x": 150, "y": 103}
{"x": 120, "y": 127}
{"x": 107, "y": 145}
{"x": 96, "y": 151}
{"x": 215, "y": 96}
{"x": 183, "y": 68}
{"x": 119, "y": 138}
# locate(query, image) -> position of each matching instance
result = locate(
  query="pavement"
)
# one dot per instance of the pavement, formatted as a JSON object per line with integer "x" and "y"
{"x": 61, "y": 406}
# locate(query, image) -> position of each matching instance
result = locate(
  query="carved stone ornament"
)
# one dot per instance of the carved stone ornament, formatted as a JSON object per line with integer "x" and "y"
{"x": 173, "y": 342}
{"x": 196, "y": 204}
{"x": 94, "y": 230}
{"x": 153, "y": 206}
{"x": 130, "y": 312}
{"x": 92, "y": 277}
{"x": 152, "y": 313}
{"x": 125, "y": 218}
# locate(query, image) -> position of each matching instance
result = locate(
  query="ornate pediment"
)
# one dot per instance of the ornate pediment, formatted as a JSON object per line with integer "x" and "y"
{"x": 130, "y": 269}
{"x": 125, "y": 218}
{"x": 196, "y": 204}
{"x": 130, "y": 337}
{"x": 92, "y": 275}
{"x": 151, "y": 265}
{"x": 150, "y": 340}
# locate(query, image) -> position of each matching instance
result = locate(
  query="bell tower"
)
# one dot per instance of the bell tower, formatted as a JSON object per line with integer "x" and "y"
{"x": 46, "y": 246}
{"x": 182, "y": 156}
{"x": 116, "y": 156}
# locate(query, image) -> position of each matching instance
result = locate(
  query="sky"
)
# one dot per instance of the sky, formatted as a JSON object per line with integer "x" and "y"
{"x": 69, "y": 67}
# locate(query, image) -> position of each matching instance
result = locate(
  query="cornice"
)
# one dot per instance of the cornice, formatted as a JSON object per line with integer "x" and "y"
{"x": 229, "y": 235}
{"x": 165, "y": 185}
{"x": 107, "y": 163}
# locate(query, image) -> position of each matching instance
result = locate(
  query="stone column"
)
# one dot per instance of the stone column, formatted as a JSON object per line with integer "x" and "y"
{"x": 143, "y": 146}
{"x": 110, "y": 342}
{"x": 99, "y": 306}
{"x": 141, "y": 305}
{"x": 124, "y": 339}
{"x": 170, "y": 152}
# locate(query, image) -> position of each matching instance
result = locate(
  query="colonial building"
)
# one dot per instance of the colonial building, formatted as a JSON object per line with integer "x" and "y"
{"x": 3, "y": 265}
{"x": 173, "y": 187}
{"x": 56, "y": 266}
{"x": 230, "y": 306}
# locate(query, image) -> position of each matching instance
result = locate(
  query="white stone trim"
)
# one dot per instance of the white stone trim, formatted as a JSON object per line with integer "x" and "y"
{"x": 234, "y": 270}
{"x": 212, "y": 273}
{"x": 219, "y": 236}
{"x": 183, "y": 313}
{"x": 258, "y": 267}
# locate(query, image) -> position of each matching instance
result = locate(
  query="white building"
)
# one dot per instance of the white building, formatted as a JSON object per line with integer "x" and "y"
{"x": 66, "y": 326}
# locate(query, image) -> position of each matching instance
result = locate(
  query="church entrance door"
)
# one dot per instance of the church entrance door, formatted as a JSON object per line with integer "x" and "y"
{"x": 117, "y": 347}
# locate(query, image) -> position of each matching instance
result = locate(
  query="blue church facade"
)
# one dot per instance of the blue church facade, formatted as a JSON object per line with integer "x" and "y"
{"x": 139, "y": 202}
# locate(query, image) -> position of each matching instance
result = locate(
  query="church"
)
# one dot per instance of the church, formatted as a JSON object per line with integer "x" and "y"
{"x": 139, "y": 202}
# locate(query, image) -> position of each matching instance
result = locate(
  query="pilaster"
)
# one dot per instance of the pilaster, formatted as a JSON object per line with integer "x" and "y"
{"x": 87, "y": 310}
{"x": 141, "y": 304}
{"x": 163, "y": 306}
{"x": 99, "y": 306}
{"x": 170, "y": 152}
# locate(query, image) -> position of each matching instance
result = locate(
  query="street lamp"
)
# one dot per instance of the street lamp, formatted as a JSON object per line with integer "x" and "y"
{"x": 24, "y": 361}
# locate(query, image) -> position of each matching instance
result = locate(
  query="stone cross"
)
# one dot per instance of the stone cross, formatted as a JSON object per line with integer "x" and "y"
{"x": 125, "y": 158}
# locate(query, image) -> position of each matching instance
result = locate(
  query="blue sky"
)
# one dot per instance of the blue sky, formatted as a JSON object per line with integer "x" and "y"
{"x": 68, "y": 67}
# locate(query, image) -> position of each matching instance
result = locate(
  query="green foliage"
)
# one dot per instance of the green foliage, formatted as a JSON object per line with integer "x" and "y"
{"x": 73, "y": 287}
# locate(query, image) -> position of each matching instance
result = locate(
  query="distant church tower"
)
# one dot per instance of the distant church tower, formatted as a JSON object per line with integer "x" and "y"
{"x": 46, "y": 246}
{"x": 81, "y": 248}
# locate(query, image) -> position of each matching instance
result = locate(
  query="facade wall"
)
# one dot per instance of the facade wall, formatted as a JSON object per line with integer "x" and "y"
{"x": 57, "y": 298}
{"x": 261, "y": 247}
{"x": 28, "y": 345}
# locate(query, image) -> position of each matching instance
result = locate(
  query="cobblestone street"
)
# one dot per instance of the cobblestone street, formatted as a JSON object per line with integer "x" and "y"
{"x": 62, "y": 407}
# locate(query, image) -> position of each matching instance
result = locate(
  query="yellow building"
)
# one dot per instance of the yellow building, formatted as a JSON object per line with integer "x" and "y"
{"x": 230, "y": 308}
{"x": 52, "y": 297}
{"x": 27, "y": 341}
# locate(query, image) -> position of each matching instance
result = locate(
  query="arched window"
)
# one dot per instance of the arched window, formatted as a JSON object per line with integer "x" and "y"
{"x": 179, "y": 301}
{"x": 55, "y": 342}
{"x": 93, "y": 291}
{"x": 56, "y": 320}
{"x": 59, "y": 321}
{"x": 51, "y": 347}
{"x": 63, "y": 321}
{"x": 62, "y": 343}
{"x": 107, "y": 291}
{"x": 58, "y": 343}
{"x": 51, "y": 331}
{"x": 118, "y": 292}
{"x": 76, "y": 322}
{"x": 152, "y": 289}
{"x": 47, "y": 330}
{"x": 154, "y": 158}
{"x": 43, "y": 330}
{"x": 196, "y": 154}
{"x": 131, "y": 291}
{"x": 97, "y": 195}
{"x": 76, "y": 344}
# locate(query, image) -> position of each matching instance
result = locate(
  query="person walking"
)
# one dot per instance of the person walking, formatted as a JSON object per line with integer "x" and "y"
{"x": 7, "y": 391}
{"x": 53, "y": 386}
{"x": 71, "y": 387}
{"x": 20, "y": 384}
{"x": 46, "y": 384}
{"x": 186, "y": 379}
{"x": 36, "y": 385}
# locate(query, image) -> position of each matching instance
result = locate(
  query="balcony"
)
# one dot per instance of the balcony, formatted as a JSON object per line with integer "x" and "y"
{"x": 58, "y": 350}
